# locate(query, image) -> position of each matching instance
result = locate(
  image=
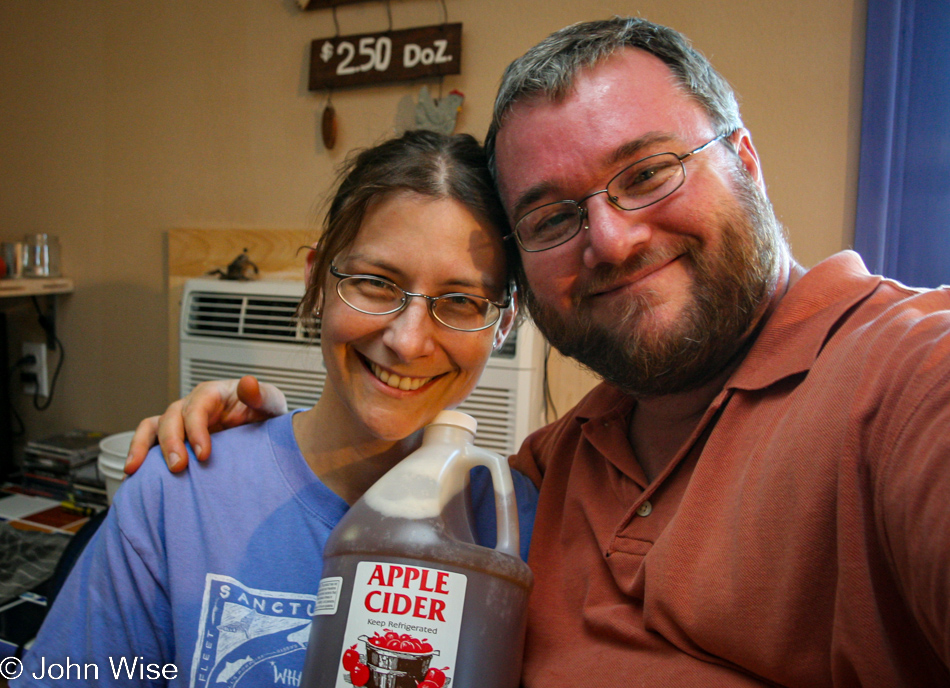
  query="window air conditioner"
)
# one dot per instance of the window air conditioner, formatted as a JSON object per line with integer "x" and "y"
{"x": 229, "y": 329}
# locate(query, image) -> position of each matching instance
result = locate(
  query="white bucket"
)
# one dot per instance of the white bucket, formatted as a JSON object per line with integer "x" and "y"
{"x": 113, "y": 451}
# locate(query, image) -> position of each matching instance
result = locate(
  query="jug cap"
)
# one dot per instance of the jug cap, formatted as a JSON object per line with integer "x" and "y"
{"x": 456, "y": 418}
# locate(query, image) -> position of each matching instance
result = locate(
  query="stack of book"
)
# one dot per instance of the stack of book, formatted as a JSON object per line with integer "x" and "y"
{"x": 64, "y": 467}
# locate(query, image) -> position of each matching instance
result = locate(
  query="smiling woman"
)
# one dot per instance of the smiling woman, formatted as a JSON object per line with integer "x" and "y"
{"x": 218, "y": 567}
{"x": 419, "y": 214}
{"x": 388, "y": 374}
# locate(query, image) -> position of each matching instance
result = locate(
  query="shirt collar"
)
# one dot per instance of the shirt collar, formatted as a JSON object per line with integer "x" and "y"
{"x": 794, "y": 335}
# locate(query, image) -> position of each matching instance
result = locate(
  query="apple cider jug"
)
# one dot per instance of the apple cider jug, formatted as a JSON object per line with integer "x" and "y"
{"x": 407, "y": 599}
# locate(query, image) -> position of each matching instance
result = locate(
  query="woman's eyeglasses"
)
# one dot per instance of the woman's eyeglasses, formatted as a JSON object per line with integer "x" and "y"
{"x": 379, "y": 296}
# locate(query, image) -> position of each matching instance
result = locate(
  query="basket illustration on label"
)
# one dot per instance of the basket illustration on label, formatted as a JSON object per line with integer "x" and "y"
{"x": 394, "y": 660}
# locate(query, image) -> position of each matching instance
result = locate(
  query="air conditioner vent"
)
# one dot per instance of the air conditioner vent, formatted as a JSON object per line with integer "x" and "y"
{"x": 243, "y": 316}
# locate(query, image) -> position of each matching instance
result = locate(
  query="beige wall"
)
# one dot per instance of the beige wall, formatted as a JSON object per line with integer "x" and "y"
{"x": 120, "y": 121}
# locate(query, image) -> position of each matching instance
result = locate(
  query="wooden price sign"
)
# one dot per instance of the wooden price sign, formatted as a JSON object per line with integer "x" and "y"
{"x": 377, "y": 58}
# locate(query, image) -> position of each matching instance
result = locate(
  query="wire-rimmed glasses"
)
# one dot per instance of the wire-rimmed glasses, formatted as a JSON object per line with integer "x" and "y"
{"x": 376, "y": 295}
{"x": 643, "y": 183}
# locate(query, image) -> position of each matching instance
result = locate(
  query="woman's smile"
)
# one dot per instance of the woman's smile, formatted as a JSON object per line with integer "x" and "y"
{"x": 404, "y": 382}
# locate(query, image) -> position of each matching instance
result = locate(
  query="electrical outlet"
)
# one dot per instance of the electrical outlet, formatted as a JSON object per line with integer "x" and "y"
{"x": 38, "y": 381}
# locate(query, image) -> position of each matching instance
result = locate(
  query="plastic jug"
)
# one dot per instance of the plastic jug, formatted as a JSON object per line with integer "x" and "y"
{"x": 407, "y": 599}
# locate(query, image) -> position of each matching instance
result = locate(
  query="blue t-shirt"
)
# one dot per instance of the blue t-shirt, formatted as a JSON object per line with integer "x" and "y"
{"x": 210, "y": 574}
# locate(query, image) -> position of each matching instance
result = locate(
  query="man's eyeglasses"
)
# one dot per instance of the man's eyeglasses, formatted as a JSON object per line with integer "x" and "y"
{"x": 645, "y": 182}
{"x": 379, "y": 296}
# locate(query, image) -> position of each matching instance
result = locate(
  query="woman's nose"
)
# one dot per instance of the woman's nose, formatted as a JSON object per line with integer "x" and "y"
{"x": 612, "y": 234}
{"x": 410, "y": 333}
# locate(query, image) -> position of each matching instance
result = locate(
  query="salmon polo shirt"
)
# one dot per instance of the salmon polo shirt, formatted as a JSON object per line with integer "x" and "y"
{"x": 801, "y": 537}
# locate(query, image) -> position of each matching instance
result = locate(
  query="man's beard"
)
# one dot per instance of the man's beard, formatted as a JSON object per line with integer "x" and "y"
{"x": 728, "y": 296}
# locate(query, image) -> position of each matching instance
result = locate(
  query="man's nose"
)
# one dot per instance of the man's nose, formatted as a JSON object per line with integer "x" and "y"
{"x": 612, "y": 234}
{"x": 410, "y": 333}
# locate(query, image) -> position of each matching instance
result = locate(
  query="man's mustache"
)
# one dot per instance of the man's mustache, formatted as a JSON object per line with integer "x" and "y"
{"x": 605, "y": 277}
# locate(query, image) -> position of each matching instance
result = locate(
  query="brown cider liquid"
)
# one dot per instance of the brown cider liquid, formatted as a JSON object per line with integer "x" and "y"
{"x": 491, "y": 640}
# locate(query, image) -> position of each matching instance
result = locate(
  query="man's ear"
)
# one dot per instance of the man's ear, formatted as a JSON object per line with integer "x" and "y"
{"x": 507, "y": 322}
{"x": 741, "y": 140}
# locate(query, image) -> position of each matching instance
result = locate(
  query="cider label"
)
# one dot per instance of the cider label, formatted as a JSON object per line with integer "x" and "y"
{"x": 403, "y": 625}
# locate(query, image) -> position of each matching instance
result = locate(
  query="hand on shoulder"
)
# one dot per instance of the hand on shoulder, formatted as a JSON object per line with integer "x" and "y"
{"x": 210, "y": 407}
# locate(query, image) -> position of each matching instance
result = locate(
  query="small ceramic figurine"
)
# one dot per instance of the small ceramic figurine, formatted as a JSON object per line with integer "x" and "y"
{"x": 241, "y": 268}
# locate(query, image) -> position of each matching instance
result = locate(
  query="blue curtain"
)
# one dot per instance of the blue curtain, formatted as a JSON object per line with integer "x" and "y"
{"x": 903, "y": 215}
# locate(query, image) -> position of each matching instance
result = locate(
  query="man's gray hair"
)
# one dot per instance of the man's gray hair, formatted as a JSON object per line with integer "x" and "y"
{"x": 549, "y": 68}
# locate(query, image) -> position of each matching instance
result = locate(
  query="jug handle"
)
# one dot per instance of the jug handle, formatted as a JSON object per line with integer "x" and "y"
{"x": 506, "y": 509}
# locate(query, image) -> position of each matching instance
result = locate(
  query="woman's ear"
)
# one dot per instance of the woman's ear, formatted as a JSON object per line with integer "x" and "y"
{"x": 308, "y": 267}
{"x": 506, "y": 323}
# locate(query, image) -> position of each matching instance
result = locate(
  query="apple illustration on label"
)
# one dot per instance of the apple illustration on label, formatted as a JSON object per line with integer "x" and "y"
{"x": 434, "y": 676}
{"x": 351, "y": 658}
{"x": 359, "y": 674}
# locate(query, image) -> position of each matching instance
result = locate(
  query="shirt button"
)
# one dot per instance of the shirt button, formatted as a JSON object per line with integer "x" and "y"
{"x": 645, "y": 509}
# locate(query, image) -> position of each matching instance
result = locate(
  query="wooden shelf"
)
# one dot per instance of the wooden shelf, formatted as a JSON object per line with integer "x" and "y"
{"x": 35, "y": 286}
